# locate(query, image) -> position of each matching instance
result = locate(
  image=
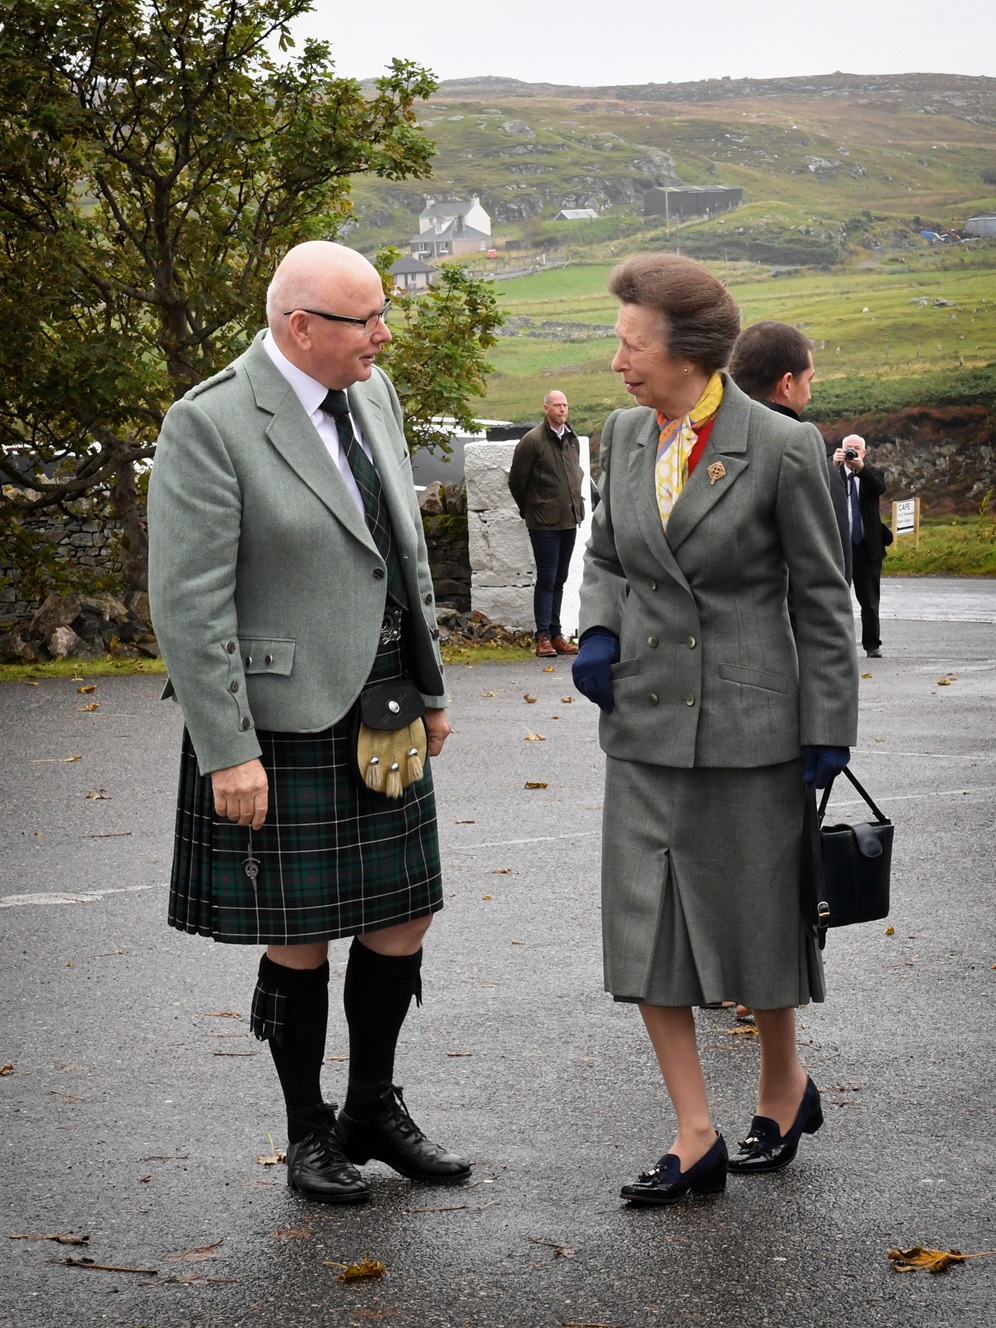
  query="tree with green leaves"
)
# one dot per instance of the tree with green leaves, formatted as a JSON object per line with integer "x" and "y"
{"x": 157, "y": 159}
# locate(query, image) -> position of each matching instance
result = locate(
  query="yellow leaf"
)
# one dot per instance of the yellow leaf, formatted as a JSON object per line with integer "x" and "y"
{"x": 90, "y": 687}
{"x": 533, "y": 737}
{"x": 534, "y": 783}
{"x": 485, "y": 896}
{"x": 566, "y": 700}
{"x": 529, "y": 700}
{"x": 920, "y": 1256}
{"x": 502, "y": 871}
{"x": 548, "y": 669}
{"x": 94, "y": 705}
{"x": 352, "y": 1272}
{"x": 27, "y": 682}
{"x": 866, "y": 675}
{"x": 890, "y": 931}
{"x": 944, "y": 682}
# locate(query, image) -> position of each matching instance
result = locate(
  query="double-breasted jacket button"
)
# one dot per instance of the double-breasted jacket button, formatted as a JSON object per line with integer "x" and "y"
{"x": 233, "y": 686}
{"x": 378, "y": 574}
{"x": 652, "y": 584}
{"x": 652, "y": 642}
{"x": 691, "y": 643}
{"x": 689, "y": 700}
{"x": 246, "y": 723}
{"x": 653, "y": 698}
{"x": 231, "y": 647}
{"x": 268, "y": 660}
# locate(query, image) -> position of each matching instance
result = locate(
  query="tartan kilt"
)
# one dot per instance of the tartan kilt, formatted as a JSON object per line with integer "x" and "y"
{"x": 334, "y": 858}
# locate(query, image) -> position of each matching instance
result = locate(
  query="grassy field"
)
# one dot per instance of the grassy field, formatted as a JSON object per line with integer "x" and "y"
{"x": 930, "y": 316}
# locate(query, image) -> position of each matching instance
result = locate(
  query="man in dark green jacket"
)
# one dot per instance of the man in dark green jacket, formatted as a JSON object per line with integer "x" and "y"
{"x": 545, "y": 481}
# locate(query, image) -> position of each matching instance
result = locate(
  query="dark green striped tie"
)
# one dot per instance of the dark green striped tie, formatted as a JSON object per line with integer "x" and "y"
{"x": 368, "y": 483}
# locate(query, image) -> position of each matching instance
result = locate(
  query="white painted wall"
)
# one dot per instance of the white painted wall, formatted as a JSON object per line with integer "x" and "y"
{"x": 501, "y": 558}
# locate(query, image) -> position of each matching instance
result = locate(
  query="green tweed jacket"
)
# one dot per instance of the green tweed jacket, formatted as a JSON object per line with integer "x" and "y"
{"x": 266, "y": 587}
{"x": 711, "y": 673}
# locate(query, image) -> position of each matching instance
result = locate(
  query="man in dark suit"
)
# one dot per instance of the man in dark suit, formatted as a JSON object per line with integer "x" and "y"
{"x": 865, "y": 486}
{"x": 773, "y": 363}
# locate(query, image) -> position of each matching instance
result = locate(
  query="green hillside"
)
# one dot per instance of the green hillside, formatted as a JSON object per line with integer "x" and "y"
{"x": 840, "y": 175}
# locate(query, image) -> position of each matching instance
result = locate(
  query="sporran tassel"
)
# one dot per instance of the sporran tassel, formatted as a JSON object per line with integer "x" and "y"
{"x": 373, "y": 776}
{"x": 415, "y": 770}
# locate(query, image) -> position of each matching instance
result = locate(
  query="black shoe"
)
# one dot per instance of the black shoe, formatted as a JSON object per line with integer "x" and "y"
{"x": 767, "y": 1149}
{"x": 319, "y": 1169}
{"x": 667, "y": 1183}
{"x": 874, "y": 654}
{"x": 390, "y": 1135}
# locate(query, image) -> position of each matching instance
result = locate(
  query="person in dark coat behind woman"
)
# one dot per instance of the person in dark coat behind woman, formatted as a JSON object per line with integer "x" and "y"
{"x": 715, "y": 715}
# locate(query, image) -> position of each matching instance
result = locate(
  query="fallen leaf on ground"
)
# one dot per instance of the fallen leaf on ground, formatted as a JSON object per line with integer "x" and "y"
{"x": 944, "y": 682}
{"x": 502, "y": 871}
{"x": 459, "y": 1053}
{"x": 292, "y": 1233}
{"x": 6, "y": 1069}
{"x": 221, "y": 1014}
{"x": 535, "y": 783}
{"x": 453, "y": 1208}
{"x": 742, "y": 1030}
{"x": 271, "y": 1158}
{"x": 98, "y": 795}
{"x": 354, "y": 1272}
{"x": 533, "y": 737}
{"x": 890, "y": 931}
{"x": 60, "y": 1237}
{"x": 468, "y": 822}
{"x": 85, "y": 691}
{"x": 28, "y": 683}
{"x": 920, "y": 1256}
{"x": 529, "y": 700}
{"x": 567, "y": 700}
{"x": 196, "y": 1255}
{"x": 548, "y": 669}
{"x": 87, "y": 709}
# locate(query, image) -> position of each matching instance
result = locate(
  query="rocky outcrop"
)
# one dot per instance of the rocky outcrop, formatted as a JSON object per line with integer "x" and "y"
{"x": 81, "y": 627}
{"x": 943, "y": 455}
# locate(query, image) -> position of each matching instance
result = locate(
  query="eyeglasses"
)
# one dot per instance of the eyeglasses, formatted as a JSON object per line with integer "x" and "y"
{"x": 369, "y": 325}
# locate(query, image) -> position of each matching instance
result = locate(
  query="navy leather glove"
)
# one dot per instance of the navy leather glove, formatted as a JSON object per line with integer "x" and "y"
{"x": 822, "y": 764}
{"x": 598, "y": 651}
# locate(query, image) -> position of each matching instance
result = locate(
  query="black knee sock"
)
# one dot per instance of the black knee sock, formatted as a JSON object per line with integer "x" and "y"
{"x": 376, "y": 995}
{"x": 290, "y": 1010}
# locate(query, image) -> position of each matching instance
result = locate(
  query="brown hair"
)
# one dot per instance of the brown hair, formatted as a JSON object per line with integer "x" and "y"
{"x": 702, "y": 319}
{"x": 764, "y": 352}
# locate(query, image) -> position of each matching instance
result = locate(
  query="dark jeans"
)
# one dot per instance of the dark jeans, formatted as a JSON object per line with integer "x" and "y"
{"x": 552, "y": 550}
{"x": 867, "y": 587}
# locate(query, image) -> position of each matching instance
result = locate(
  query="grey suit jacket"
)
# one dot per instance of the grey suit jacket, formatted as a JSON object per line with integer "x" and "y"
{"x": 266, "y": 587}
{"x": 710, "y": 673}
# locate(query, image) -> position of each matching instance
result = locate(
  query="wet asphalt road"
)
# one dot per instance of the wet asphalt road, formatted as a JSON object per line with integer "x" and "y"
{"x": 137, "y": 1104}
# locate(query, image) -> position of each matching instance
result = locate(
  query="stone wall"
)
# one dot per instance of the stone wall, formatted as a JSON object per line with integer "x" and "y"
{"x": 77, "y": 540}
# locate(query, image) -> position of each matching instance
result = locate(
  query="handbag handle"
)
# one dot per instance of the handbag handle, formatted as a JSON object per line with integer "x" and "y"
{"x": 881, "y": 819}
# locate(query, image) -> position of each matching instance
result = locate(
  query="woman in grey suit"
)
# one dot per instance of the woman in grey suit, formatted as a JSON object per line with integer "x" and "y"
{"x": 715, "y": 715}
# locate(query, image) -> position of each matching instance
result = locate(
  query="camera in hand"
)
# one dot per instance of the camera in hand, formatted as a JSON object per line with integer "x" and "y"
{"x": 849, "y": 454}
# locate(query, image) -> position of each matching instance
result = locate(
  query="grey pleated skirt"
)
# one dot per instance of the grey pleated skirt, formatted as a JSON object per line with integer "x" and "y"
{"x": 700, "y": 887}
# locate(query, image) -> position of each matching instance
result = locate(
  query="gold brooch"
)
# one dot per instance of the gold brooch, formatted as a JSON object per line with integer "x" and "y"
{"x": 716, "y": 471}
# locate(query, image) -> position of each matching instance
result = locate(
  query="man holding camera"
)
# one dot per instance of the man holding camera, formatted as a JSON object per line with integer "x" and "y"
{"x": 865, "y": 486}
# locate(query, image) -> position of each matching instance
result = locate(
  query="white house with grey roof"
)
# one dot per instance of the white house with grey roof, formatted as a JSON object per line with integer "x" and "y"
{"x": 467, "y": 215}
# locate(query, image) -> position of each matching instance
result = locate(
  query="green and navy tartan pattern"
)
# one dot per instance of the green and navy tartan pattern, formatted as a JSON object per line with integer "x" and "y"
{"x": 334, "y": 859}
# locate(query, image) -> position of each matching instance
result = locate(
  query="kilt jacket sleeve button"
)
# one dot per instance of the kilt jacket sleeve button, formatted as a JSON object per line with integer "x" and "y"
{"x": 268, "y": 660}
{"x": 233, "y": 686}
{"x": 231, "y": 647}
{"x": 246, "y": 722}
{"x": 248, "y": 661}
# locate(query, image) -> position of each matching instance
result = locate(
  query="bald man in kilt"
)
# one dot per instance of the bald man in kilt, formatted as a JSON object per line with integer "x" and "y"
{"x": 288, "y": 575}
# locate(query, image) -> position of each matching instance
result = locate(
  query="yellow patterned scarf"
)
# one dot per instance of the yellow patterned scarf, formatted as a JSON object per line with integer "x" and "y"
{"x": 677, "y": 438}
